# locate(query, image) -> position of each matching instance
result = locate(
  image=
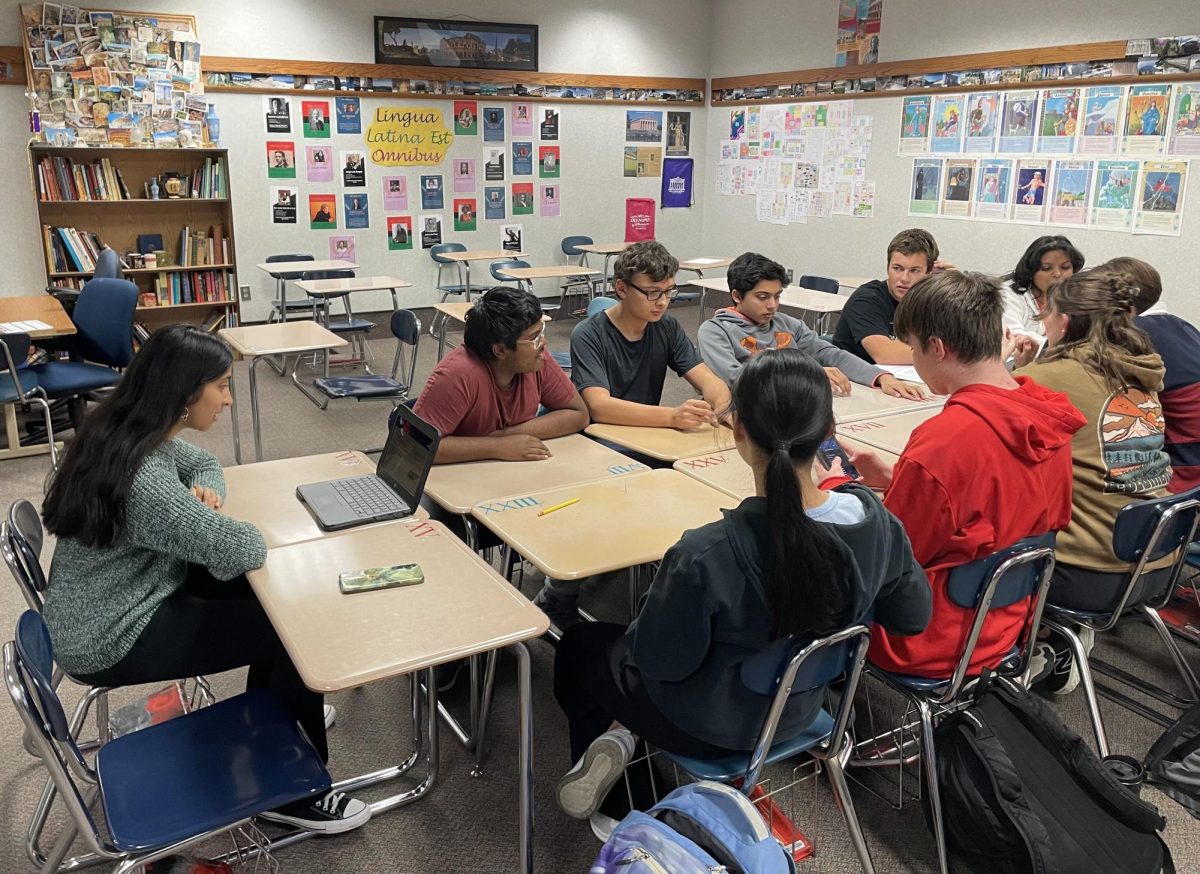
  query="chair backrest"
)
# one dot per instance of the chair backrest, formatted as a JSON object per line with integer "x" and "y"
{"x": 1146, "y": 531}
{"x": 277, "y": 259}
{"x": 108, "y": 265}
{"x": 24, "y": 518}
{"x": 103, "y": 317}
{"x": 327, "y": 274}
{"x": 570, "y": 245}
{"x": 15, "y": 351}
{"x": 819, "y": 283}
{"x": 10, "y": 551}
{"x": 599, "y": 305}
{"x": 406, "y": 328}
{"x": 508, "y": 264}
{"x": 437, "y": 252}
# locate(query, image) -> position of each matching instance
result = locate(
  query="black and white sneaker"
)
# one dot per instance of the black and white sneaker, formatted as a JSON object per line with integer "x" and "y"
{"x": 329, "y": 814}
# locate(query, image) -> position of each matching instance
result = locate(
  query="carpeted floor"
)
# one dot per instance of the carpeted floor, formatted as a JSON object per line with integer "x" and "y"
{"x": 468, "y": 824}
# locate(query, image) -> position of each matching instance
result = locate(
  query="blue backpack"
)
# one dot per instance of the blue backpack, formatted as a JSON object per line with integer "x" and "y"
{"x": 700, "y": 828}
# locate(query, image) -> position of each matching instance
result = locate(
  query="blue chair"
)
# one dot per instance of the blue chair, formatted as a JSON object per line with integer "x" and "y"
{"x": 20, "y": 385}
{"x": 406, "y": 328}
{"x": 108, "y": 266}
{"x": 1145, "y": 532}
{"x": 791, "y": 666}
{"x": 570, "y": 248}
{"x": 827, "y": 284}
{"x": 281, "y": 307}
{"x": 168, "y": 786}
{"x": 497, "y": 268}
{"x": 355, "y": 327}
{"x": 1015, "y": 574}
{"x": 456, "y": 285}
{"x": 595, "y": 305}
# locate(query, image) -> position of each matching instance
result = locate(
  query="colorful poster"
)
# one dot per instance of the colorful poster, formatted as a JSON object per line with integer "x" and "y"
{"x": 677, "y": 182}
{"x": 493, "y": 163}
{"x": 737, "y": 124}
{"x": 947, "y": 123}
{"x": 522, "y": 119}
{"x": 319, "y": 163}
{"x": 464, "y": 213}
{"x": 316, "y": 118}
{"x": 548, "y": 129}
{"x": 431, "y": 231}
{"x": 355, "y": 206}
{"x": 643, "y": 126}
{"x": 1145, "y": 120}
{"x": 549, "y": 200}
{"x": 858, "y": 32}
{"x": 1071, "y": 190}
{"x": 1160, "y": 205}
{"x": 1019, "y": 124}
{"x": 283, "y": 206}
{"x": 281, "y": 159}
{"x": 1185, "y": 127}
{"x": 466, "y": 118}
{"x": 493, "y": 124}
{"x": 983, "y": 111}
{"x": 354, "y": 169}
{"x": 1101, "y": 116}
{"x": 277, "y": 112}
{"x": 342, "y": 248}
{"x": 548, "y": 162}
{"x": 991, "y": 188}
{"x": 958, "y": 186}
{"x": 464, "y": 174}
{"x": 679, "y": 133}
{"x": 349, "y": 117}
{"x": 924, "y": 197}
{"x": 404, "y": 136}
{"x": 493, "y": 202}
{"x": 1029, "y": 190}
{"x": 395, "y": 193}
{"x": 522, "y": 198}
{"x": 510, "y": 237}
{"x": 400, "y": 232}
{"x": 1112, "y": 202}
{"x": 522, "y": 159}
{"x": 322, "y": 212}
{"x": 431, "y": 192}
{"x": 1059, "y": 122}
{"x": 914, "y": 126}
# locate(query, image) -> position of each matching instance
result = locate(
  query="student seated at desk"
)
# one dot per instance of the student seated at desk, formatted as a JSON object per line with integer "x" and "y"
{"x": 619, "y": 358}
{"x": 792, "y": 560}
{"x": 148, "y": 578}
{"x": 866, "y": 324}
{"x": 754, "y": 324}
{"x": 992, "y": 467}
{"x": 1047, "y": 260}
{"x": 484, "y": 396}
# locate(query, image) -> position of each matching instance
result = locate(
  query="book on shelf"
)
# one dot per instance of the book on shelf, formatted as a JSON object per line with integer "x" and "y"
{"x": 203, "y": 286}
{"x": 202, "y": 248}
{"x": 69, "y": 250}
{"x": 60, "y": 179}
{"x": 211, "y": 180}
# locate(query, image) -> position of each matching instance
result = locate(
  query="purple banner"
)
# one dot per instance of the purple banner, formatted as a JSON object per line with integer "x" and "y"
{"x": 677, "y": 182}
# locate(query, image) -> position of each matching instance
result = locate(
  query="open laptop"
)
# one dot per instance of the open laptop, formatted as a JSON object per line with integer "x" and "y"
{"x": 392, "y": 493}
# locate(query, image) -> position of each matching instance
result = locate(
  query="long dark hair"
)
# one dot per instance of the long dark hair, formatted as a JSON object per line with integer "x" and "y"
{"x": 1031, "y": 262}
{"x": 785, "y": 404}
{"x": 87, "y": 495}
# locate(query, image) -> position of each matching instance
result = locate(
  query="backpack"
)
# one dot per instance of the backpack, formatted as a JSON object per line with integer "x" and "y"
{"x": 1022, "y": 793}
{"x": 700, "y": 828}
{"x": 1173, "y": 763}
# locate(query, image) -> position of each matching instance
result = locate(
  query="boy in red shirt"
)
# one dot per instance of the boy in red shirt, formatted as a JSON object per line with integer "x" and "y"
{"x": 993, "y": 467}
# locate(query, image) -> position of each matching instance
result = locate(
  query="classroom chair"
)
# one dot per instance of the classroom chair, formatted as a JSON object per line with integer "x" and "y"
{"x": 595, "y": 305}
{"x": 20, "y": 385}
{"x": 496, "y": 266}
{"x": 304, "y": 306}
{"x": 108, "y": 266}
{"x": 827, "y": 284}
{"x": 406, "y": 328}
{"x": 791, "y": 665}
{"x": 570, "y": 248}
{"x": 169, "y": 786}
{"x": 355, "y": 327}
{"x": 1016, "y": 574}
{"x": 456, "y": 285}
{"x": 1145, "y": 531}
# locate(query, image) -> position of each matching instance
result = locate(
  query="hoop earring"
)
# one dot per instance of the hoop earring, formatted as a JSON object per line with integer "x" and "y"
{"x": 184, "y": 417}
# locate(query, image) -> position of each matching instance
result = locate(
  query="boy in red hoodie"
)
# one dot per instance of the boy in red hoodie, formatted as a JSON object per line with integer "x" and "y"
{"x": 993, "y": 467}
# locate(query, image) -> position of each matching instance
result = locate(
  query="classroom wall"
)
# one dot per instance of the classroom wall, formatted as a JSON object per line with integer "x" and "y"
{"x": 754, "y": 36}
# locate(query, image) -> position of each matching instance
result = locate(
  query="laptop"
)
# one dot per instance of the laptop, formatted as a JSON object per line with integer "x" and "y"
{"x": 393, "y": 492}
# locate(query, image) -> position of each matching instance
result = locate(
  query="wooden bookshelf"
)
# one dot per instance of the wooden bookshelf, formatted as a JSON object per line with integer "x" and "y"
{"x": 118, "y": 223}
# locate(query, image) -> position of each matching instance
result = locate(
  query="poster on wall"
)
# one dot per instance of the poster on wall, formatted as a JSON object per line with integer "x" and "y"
{"x": 322, "y": 212}
{"x": 355, "y": 206}
{"x": 1019, "y": 120}
{"x": 649, "y": 161}
{"x": 550, "y": 199}
{"x": 983, "y": 110}
{"x": 281, "y": 159}
{"x": 466, "y": 118}
{"x": 1160, "y": 203}
{"x": 493, "y": 164}
{"x": 408, "y": 136}
{"x": 1185, "y": 125}
{"x": 1145, "y": 120}
{"x": 493, "y": 124}
{"x": 283, "y": 206}
{"x": 342, "y": 248}
{"x": 431, "y": 231}
{"x": 349, "y": 117}
{"x": 643, "y": 126}
{"x": 399, "y": 231}
{"x": 522, "y": 198}
{"x": 522, "y": 119}
{"x": 548, "y": 129}
{"x": 947, "y": 123}
{"x": 548, "y": 162}
{"x": 737, "y": 124}
{"x": 522, "y": 159}
{"x": 464, "y": 213}
{"x": 1070, "y": 192}
{"x": 1112, "y": 201}
{"x": 319, "y": 163}
{"x": 277, "y": 112}
{"x": 914, "y": 126}
{"x": 959, "y": 182}
{"x": 395, "y": 193}
{"x": 464, "y": 174}
{"x": 992, "y": 185}
{"x": 354, "y": 169}
{"x": 679, "y": 133}
{"x": 639, "y": 219}
{"x": 431, "y": 192}
{"x": 926, "y": 187}
{"x": 1059, "y": 122}
{"x": 858, "y": 32}
{"x": 511, "y": 237}
{"x": 1029, "y": 190}
{"x": 493, "y": 202}
{"x": 316, "y": 118}
{"x": 1101, "y": 118}
{"x": 677, "y": 183}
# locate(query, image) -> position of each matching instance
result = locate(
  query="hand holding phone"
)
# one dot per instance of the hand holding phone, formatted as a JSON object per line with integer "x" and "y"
{"x": 372, "y": 578}
{"x": 833, "y": 458}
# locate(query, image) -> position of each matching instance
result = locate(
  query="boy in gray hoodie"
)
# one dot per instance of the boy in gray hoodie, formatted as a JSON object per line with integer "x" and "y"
{"x": 730, "y": 338}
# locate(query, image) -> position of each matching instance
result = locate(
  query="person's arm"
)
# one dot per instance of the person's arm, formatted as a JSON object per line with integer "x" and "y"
{"x": 570, "y": 419}
{"x": 899, "y": 388}
{"x": 718, "y": 352}
{"x": 809, "y": 341}
{"x": 886, "y": 351}
{"x": 200, "y": 472}
{"x": 924, "y": 508}
{"x": 869, "y": 322}
{"x": 875, "y": 473}
{"x": 494, "y": 447}
{"x": 670, "y": 638}
{"x": 714, "y": 389}
{"x": 604, "y": 408}
{"x": 904, "y": 603}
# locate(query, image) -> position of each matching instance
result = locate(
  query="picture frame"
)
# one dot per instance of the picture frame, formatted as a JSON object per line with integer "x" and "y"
{"x": 436, "y": 42}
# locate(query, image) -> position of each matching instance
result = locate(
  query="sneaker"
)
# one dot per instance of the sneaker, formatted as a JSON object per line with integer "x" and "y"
{"x": 329, "y": 814}
{"x": 582, "y": 790}
{"x": 1064, "y": 678}
{"x": 1041, "y": 663}
{"x": 330, "y": 716}
{"x": 602, "y": 826}
{"x": 562, "y": 610}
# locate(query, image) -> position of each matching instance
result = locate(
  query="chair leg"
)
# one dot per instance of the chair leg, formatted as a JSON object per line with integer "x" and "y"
{"x": 1089, "y": 686}
{"x": 841, "y": 794}
{"x": 1181, "y": 665}
{"x": 929, "y": 756}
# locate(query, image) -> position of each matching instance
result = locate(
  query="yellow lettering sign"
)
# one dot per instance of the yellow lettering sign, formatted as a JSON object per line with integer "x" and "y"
{"x": 400, "y": 136}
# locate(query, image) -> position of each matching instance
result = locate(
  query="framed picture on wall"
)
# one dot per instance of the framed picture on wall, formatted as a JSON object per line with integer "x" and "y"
{"x": 445, "y": 43}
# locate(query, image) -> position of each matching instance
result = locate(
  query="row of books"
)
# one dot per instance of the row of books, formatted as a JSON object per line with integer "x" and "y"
{"x": 205, "y": 286}
{"x": 211, "y": 180}
{"x": 70, "y": 250}
{"x": 63, "y": 179}
{"x": 200, "y": 248}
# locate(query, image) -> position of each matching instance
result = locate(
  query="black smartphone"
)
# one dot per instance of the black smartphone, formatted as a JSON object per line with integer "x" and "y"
{"x": 833, "y": 457}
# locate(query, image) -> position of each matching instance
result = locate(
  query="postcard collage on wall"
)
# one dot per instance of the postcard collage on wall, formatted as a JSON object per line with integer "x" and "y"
{"x": 411, "y": 212}
{"x": 1108, "y": 157}
{"x": 644, "y": 128}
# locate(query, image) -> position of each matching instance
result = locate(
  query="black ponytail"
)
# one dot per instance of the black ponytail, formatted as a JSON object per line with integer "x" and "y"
{"x": 785, "y": 403}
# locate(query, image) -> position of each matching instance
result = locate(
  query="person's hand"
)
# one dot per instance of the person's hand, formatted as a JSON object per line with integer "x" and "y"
{"x": 899, "y": 388}
{"x": 838, "y": 381}
{"x": 942, "y": 267}
{"x": 1008, "y": 345}
{"x": 207, "y": 497}
{"x": 875, "y": 472}
{"x": 692, "y": 414}
{"x": 1025, "y": 351}
{"x": 521, "y": 447}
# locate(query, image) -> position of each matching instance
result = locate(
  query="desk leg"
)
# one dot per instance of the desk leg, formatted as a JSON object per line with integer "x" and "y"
{"x": 254, "y": 417}
{"x": 467, "y": 283}
{"x": 525, "y": 757}
{"x": 13, "y": 435}
{"x": 703, "y": 292}
{"x": 233, "y": 419}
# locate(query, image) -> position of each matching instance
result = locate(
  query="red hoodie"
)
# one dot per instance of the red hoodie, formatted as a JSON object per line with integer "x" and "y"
{"x": 994, "y": 466}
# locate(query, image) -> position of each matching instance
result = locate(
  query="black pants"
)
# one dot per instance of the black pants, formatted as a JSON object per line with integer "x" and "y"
{"x": 1078, "y": 588}
{"x": 210, "y": 626}
{"x": 593, "y": 695}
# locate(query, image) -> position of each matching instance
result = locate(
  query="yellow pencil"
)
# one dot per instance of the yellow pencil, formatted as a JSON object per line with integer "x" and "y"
{"x": 558, "y": 506}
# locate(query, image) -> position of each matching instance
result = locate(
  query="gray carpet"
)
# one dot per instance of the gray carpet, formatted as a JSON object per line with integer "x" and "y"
{"x": 468, "y": 824}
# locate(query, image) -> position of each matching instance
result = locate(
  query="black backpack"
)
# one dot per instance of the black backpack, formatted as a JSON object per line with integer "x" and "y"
{"x": 1173, "y": 763}
{"x": 1023, "y": 794}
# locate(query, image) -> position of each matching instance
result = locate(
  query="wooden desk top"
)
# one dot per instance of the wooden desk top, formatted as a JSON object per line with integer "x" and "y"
{"x": 604, "y": 248}
{"x": 40, "y": 308}
{"x": 338, "y": 641}
{"x": 458, "y": 310}
{"x": 890, "y": 432}
{"x": 327, "y": 287}
{"x": 276, "y": 339}
{"x": 305, "y": 266}
{"x": 651, "y": 510}
{"x": 574, "y": 459}
{"x": 853, "y": 282}
{"x": 553, "y": 272}
{"x": 264, "y": 494}
{"x": 664, "y": 444}
{"x": 704, "y": 263}
{"x": 481, "y": 255}
{"x": 871, "y": 403}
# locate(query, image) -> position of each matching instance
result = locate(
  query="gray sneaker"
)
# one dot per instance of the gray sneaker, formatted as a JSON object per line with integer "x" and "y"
{"x": 582, "y": 790}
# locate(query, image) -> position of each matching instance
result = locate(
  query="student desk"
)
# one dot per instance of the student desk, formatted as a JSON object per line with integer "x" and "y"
{"x": 455, "y": 311}
{"x": 283, "y": 270}
{"x": 264, "y": 494}
{"x": 465, "y": 258}
{"x": 608, "y": 250}
{"x": 33, "y": 308}
{"x": 330, "y": 288}
{"x": 853, "y": 282}
{"x": 888, "y": 432}
{"x": 664, "y": 444}
{"x": 340, "y": 641}
{"x": 870, "y": 403}
{"x": 819, "y": 302}
{"x": 260, "y": 341}
{"x": 698, "y": 266}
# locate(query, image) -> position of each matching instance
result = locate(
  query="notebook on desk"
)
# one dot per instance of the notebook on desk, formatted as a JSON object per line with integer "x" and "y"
{"x": 393, "y": 492}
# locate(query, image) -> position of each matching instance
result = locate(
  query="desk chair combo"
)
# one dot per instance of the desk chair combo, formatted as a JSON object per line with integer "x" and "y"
{"x": 357, "y": 328}
{"x": 282, "y": 308}
{"x": 827, "y": 284}
{"x": 581, "y": 285}
{"x": 455, "y": 284}
{"x": 406, "y": 328}
{"x": 19, "y": 386}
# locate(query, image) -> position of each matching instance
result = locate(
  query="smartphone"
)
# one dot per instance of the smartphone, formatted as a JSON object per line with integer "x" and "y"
{"x": 372, "y": 578}
{"x": 830, "y": 454}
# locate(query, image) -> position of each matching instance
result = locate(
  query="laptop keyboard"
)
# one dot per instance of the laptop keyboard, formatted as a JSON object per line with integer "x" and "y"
{"x": 368, "y": 496}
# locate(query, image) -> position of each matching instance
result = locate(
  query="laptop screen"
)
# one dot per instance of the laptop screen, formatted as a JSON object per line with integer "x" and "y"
{"x": 408, "y": 455}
